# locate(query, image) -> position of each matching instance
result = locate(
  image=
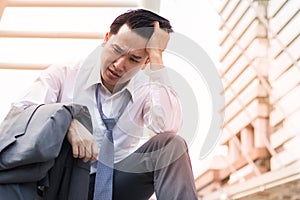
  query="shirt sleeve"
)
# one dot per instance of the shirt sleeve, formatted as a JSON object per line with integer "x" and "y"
{"x": 162, "y": 110}
{"x": 45, "y": 89}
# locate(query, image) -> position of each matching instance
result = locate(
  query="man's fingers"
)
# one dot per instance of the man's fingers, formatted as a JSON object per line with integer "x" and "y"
{"x": 88, "y": 153}
{"x": 95, "y": 151}
{"x": 82, "y": 151}
{"x": 83, "y": 143}
{"x": 91, "y": 153}
{"x": 156, "y": 24}
{"x": 75, "y": 151}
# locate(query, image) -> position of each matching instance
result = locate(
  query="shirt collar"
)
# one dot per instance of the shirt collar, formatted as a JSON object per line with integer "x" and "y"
{"x": 90, "y": 69}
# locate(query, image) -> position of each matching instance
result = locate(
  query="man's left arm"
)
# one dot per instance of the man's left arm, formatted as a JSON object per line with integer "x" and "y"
{"x": 162, "y": 112}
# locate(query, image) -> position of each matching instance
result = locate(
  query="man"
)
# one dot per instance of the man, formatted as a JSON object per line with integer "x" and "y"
{"x": 110, "y": 74}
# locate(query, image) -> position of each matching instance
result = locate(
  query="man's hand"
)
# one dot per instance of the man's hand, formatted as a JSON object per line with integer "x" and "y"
{"x": 83, "y": 142}
{"x": 156, "y": 45}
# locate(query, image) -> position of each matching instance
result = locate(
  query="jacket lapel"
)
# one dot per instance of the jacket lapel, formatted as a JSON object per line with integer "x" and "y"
{"x": 15, "y": 124}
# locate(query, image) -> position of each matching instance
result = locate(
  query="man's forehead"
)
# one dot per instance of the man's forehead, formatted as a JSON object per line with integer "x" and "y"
{"x": 129, "y": 40}
{"x": 123, "y": 29}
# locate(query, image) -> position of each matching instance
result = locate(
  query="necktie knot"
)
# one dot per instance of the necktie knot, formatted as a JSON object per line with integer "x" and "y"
{"x": 109, "y": 123}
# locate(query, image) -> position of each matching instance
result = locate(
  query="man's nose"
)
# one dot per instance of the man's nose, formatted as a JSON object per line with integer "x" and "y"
{"x": 119, "y": 63}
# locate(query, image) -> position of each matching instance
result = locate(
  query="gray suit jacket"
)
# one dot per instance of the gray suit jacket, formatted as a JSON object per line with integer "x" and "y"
{"x": 31, "y": 140}
{"x": 33, "y": 137}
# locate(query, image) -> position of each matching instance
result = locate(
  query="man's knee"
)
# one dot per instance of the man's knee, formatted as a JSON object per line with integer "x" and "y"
{"x": 168, "y": 149}
{"x": 166, "y": 139}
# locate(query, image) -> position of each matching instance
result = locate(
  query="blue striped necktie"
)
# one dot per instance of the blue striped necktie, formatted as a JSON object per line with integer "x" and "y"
{"x": 104, "y": 176}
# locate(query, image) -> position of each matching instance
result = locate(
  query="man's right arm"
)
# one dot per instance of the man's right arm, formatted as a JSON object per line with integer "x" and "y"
{"x": 47, "y": 89}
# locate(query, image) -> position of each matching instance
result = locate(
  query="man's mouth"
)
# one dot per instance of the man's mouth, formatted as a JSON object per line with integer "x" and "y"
{"x": 114, "y": 73}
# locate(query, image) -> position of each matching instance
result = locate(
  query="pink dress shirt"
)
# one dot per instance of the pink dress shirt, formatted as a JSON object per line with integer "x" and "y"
{"x": 154, "y": 106}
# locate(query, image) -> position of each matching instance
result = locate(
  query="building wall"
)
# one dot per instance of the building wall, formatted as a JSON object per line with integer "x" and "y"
{"x": 261, "y": 74}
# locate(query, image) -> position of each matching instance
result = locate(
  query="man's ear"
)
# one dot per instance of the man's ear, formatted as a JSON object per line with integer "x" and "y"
{"x": 147, "y": 61}
{"x": 145, "y": 64}
{"x": 106, "y": 38}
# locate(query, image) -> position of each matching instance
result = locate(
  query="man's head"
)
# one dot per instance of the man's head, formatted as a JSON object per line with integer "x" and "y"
{"x": 124, "y": 47}
{"x": 138, "y": 19}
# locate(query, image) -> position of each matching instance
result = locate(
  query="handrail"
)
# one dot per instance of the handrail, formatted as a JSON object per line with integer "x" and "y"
{"x": 76, "y": 3}
{"x": 23, "y": 66}
{"x": 50, "y": 34}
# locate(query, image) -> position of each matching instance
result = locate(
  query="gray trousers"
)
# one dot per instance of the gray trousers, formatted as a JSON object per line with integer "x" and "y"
{"x": 162, "y": 165}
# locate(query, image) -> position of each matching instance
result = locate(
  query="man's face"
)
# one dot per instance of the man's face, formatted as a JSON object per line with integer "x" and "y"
{"x": 123, "y": 56}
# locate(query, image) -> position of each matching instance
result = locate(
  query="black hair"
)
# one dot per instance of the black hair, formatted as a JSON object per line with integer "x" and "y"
{"x": 140, "y": 21}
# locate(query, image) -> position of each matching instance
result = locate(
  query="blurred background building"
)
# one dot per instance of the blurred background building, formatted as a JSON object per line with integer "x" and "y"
{"x": 258, "y": 62}
{"x": 260, "y": 70}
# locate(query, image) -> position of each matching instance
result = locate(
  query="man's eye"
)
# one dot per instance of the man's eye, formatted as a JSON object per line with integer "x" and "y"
{"x": 134, "y": 60}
